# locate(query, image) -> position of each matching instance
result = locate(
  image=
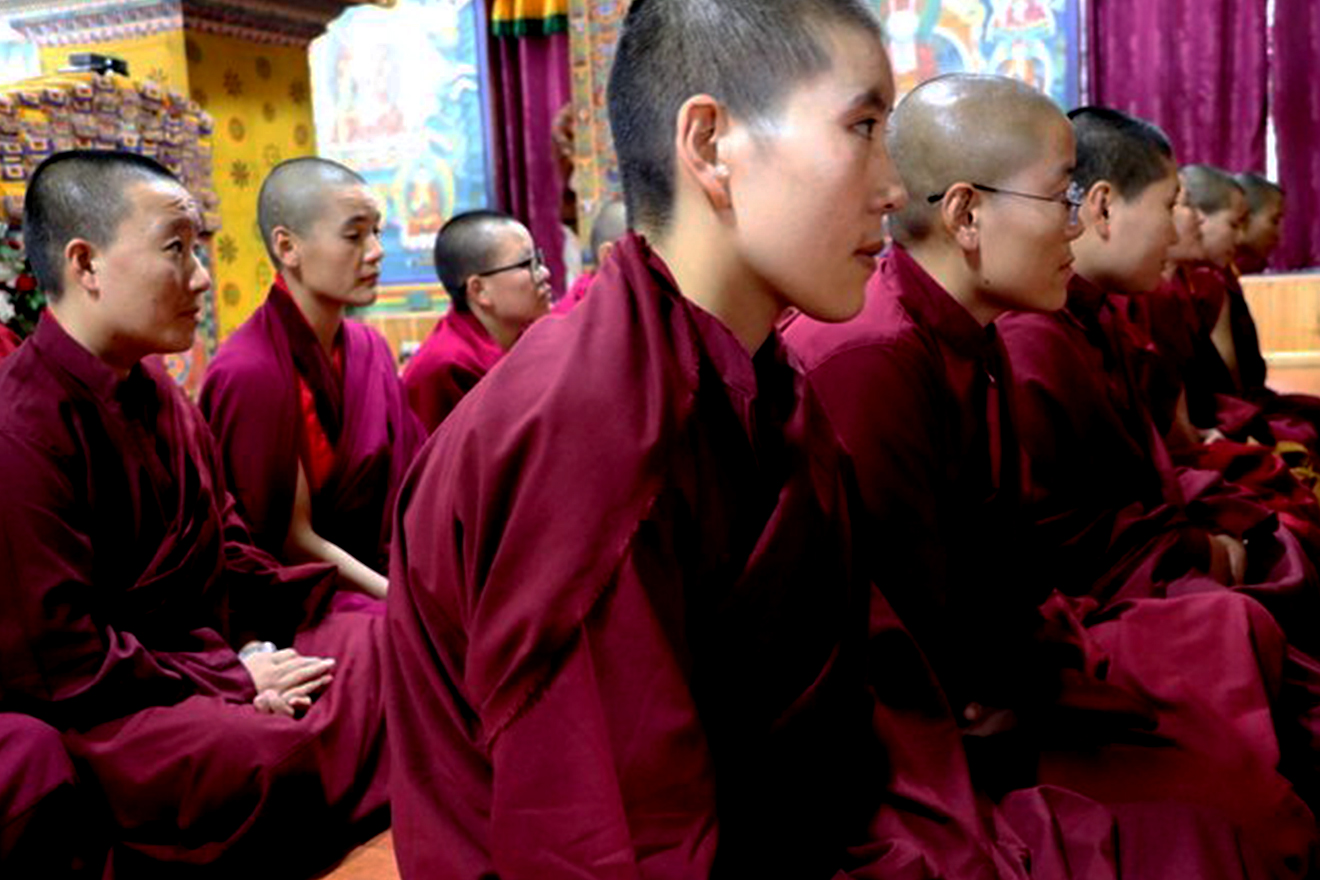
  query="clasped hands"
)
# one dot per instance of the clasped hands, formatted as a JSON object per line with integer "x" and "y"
{"x": 286, "y": 681}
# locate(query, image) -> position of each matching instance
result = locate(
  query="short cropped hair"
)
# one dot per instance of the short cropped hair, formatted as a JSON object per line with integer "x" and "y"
{"x": 79, "y": 194}
{"x": 1209, "y": 189}
{"x": 1260, "y": 190}
{"x": 1126, "y": 151}
{"x": 747, "y": 54}
{"x": 293, "y": 195}
{"x": 464, "y": 247}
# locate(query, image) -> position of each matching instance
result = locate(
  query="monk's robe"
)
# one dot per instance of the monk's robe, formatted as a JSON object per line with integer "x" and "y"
{"x": 1293, "y": 417}
{"x": 1165, "y": 336}
{"x": 452, "y": 360}
{"x": 627, "y": 605}
{"x": 576, "y": 293}
{"x": 126, "y": 581}
{"x": 253, "y": 396}
{"x": 9, "y": 342}
{"x": 1101, "y": 487}
{"x": 916, "y": 389}
{"x": 44, "y": 811}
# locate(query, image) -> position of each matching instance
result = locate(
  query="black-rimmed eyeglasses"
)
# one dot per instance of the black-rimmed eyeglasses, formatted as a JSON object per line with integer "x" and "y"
{"x": 532, "y": 263}
{"x": 1072, "y": 198}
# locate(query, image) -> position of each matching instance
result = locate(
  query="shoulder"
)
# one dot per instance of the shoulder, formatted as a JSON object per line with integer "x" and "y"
{"x": 38, "y": 408}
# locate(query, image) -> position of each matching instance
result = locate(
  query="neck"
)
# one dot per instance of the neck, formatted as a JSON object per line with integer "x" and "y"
{"x": 84, "y": 332}
{"x": 708, "y": 276}
{"x": 324, "y": 317}
{"x": 503, "y": 335}
{"x": 948, "y": 266}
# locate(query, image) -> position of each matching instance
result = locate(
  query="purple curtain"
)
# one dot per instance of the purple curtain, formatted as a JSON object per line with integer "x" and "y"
{"x": 1296, "y": 102}
{"x": 1197, "y": 68}
{"x": 530, "y": 82}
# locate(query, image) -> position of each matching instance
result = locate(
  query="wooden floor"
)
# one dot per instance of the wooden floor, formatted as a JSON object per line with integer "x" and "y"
{"x": 374, "y": 860}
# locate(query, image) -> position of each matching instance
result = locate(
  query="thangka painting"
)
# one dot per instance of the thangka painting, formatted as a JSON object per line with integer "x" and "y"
{"x": 1036, "y": 41}
{"x": 397, "y": 97}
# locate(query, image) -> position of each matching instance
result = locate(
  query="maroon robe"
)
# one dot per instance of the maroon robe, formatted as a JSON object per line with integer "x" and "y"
{"x": 9, "y": 342}
{"x": 625, "y": 606}
{"x": 917, "y": 390}
{"x": 251, "y": 397}
{"x": 1100, "y": 484}
{"x": 128, "y": 578}
{"x": 41, "y": 802}
{"x": 576, "y": 293}
{"x": 450, "y": 362}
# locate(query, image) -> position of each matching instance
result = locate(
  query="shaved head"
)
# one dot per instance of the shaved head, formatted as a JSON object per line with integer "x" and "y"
{"x": 465, "y": 246}
{"x": 293, "y": 196}
{"x": 609, "y": 225}
{"x": 1261, "y": 191}
{"x": 1209, "y": 189}
{"x": 963, "y": 127}
{"x": 1127, "y": 152}
{"x": 79, "y": 194}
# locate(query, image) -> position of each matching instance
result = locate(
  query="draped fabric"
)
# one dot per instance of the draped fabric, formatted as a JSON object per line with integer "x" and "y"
{"x": 529, "y": 84}
{"x": 1296, "y": 103}
{"x": 1197, "y": 68}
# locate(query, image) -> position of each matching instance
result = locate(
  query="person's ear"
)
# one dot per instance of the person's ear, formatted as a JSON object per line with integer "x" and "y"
{"x": 477, "y": 292}
{"x": 1097, "y": 205}
{"x": 288, "y": 253}
{"x": 959, "y": 212}
{"x": 702, "y": 124}
{"x": 80, "y": 265}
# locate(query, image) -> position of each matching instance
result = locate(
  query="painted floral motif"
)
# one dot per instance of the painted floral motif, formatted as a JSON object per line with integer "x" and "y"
{"x": 233, "y": 83}
{"x": 270, "y": 154}
{"x": 268, "y": 111}
{"x": 227, "y": 249}
{"x": 301, "y": 135}
{"x": 231, "y": 294}
{"x": 298, "y": 91}
{"x": 237, "y": 130}
{"x": 240, "y": 174}
{"x": 263, "y": 67}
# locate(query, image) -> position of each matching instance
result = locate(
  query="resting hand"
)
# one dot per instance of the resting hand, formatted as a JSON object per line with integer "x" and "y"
{"x": 1228, "y": 560}
{"x": 286, "y": 680}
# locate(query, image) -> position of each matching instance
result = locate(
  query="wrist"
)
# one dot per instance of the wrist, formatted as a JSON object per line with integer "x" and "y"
{"x": 255, "y": 647}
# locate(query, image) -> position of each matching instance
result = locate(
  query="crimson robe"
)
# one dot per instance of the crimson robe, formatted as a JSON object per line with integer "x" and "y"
{"x": 41, "y": 800}
{"x": 453, "y": 359}
{"x": 9, "y": 342}
{"x": 918, "y": 393}
{"x": 627, "y": 636}
{"x": 126, "y": 580}
{"x": 251, "y": 397}
{"x": 576, "y": 293}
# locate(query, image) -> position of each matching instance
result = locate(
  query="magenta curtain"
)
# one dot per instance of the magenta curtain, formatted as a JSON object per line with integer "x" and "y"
{"x": 529, "y": 83}
{"x": 1197, "y": 68}
{"x": 1296, "y": 103}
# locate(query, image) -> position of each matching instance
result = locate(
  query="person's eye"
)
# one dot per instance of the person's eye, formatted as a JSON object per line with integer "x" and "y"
{"x": 866, "y": 128}
{"x": 175, "y": 247}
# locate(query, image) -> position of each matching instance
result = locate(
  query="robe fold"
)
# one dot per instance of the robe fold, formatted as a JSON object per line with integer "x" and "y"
{"x": 41, "y": 800}
{"x": 919, "y": 394}
{"x": 624, "y": 605}
{"x": 449, "y": 364}
{"x": 251, "y": 396}
{"x": 1100, "y": 485}
{"x": 9, "y": 342}
{"x": 126, "y": 580}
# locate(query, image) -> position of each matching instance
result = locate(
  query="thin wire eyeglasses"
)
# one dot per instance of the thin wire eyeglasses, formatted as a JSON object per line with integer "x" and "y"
{"x": 1072, "y": 198}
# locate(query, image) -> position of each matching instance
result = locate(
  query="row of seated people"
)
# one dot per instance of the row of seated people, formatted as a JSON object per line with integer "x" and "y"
{"x": 775, "y": 555}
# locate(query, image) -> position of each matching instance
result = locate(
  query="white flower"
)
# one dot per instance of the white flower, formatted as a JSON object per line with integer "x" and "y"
{"x": 6, "y": 308}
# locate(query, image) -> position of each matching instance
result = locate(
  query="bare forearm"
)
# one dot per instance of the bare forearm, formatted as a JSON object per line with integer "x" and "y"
{"x": 305, "y": 545}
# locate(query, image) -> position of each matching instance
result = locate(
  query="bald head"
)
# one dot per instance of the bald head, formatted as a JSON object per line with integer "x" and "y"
{"x": 293, "y": 196}
{"x": 963, "y": 128}
{"x": 465, "y": 246}
{"x": 1261, "y": 192}
{"x": 1209, "y": 189}
{"x": 609, "y": 225}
